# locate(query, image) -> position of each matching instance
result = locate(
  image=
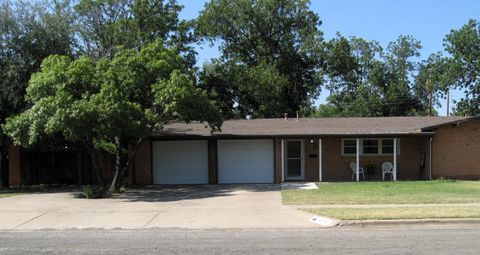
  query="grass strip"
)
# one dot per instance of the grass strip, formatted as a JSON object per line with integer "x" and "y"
{"x": 397, "y": 213}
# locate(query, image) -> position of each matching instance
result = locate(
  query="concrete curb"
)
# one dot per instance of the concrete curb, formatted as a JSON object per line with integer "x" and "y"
{"x": 411, "y": 222}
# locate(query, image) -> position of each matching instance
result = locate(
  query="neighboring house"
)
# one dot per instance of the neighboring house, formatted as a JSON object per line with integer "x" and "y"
{"x": 309, "y": 149}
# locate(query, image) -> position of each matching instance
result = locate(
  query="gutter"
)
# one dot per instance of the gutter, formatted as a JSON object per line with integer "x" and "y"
{"x": 306, "y": 136}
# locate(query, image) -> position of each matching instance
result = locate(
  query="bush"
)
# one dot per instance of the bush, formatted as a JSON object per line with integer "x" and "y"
{"x": 123, "y": 189}
{"x": 79, "y": 195}
{"x": 94, "y": 192}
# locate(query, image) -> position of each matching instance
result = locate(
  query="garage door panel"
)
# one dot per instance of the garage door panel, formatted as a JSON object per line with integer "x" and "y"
{"x": 180, "y": 162}
{"x": 245, "y": 161}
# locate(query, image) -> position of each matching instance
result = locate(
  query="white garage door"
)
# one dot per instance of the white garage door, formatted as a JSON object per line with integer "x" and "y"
{"x": 245, "y": 161}
{"x": 180, "y": 162}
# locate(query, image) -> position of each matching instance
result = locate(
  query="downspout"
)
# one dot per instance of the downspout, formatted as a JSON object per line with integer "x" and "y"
{"x": 430, "y": 158}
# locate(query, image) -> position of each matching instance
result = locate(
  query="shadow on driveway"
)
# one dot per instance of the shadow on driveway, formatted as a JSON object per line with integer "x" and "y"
{"x": 169, "y": 193}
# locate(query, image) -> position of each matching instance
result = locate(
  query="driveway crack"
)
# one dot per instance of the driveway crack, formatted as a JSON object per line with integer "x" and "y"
{"x": 164, "y": 209}
{"x": 30, "y": 220}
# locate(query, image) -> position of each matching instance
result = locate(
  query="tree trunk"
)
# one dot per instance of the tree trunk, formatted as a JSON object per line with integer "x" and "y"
{"x": 4, "y": 170}
{"x": 118, "y": 165}
{"x": 96, "y": 167}
{"x": 120, "y": 171}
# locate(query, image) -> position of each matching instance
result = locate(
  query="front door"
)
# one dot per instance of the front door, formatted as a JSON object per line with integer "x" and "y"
{"x": 294, "y": 165}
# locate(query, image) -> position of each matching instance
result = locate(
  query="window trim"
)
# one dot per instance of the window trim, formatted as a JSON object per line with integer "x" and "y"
{"x": 380, "y": 146}
{"x": 342, "y": 150}
{"x": 379, "y": 143}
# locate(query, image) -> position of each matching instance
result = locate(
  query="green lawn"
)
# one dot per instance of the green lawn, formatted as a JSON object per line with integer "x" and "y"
{"x": 397, "y": 213}
{"x": 8, "y": 194}
{"x": 402, "y": 192}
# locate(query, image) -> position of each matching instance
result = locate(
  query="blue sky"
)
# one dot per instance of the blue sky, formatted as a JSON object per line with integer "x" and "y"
{"x": 382, "y": 20}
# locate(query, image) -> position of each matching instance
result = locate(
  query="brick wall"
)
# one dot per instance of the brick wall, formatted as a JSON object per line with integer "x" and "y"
{"x": 212, "y": 162}
{"x": 456, "y": 151}
{"x": 337, "y": 167}
{"x": 311, "y": 160}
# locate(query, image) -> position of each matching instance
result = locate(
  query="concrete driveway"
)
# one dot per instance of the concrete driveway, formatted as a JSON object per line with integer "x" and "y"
{"x": 192, "y": 207}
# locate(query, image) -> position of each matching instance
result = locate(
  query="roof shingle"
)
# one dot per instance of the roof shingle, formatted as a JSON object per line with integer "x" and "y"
{"x": 309, "y": 126}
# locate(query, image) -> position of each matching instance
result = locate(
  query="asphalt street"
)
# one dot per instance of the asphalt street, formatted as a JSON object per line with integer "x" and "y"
{"x": 340, "y": 240}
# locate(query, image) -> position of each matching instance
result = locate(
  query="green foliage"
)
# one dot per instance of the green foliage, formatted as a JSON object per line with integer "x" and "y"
{"x": 94, "y": 192}
{"x": 432, "y": 80}
{"x": 464, "y": 66}
{"x": 275, "y": 39}
{"x": 242, "y": 91}
{"x": 366, "y": 80}
{"x": 29, "y": 32}
{"x": 110, "y": 102}
{"x": 123, "y": 97}
{"x": 123, "y": 189}
{"x": 107, "y": 26}
{"x": 325, "y": 111}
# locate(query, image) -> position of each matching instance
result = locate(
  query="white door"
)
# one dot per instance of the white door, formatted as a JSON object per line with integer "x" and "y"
{"x": 294, "y": 158}
{"x": 180, "y": 162}
{"x": 245, "y": 161}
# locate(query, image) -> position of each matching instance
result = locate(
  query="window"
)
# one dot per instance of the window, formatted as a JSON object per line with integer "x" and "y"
{"x": 349, "y": 146}
{"x": 370, "y": 146}
{"x": 387, "y": 146}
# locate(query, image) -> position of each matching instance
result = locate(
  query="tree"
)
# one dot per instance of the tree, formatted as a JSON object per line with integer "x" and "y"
{"x": 431, "y": 82}
{"x": 400, "y": 69}
{"x": 366, "y": 80}
{"x": 242, "y": 91}
{"x": 29, "y": 32}
{"x": 280, "y": 34}
{"x": 105, "y": 26}
{"x": 464, "y": 66}
{"x": 325, "y": 111}
{"x": 354, "y": 73}
{"x": 111, "y": 104}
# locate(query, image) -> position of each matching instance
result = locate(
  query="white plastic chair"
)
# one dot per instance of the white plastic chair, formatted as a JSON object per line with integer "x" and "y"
{"x": 387, "y": 168}
{"x": 353, "y": 167}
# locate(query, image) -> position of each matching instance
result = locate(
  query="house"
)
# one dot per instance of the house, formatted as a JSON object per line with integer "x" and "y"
{"x": 305, "y": 149}
{"x": 311, "y": 149}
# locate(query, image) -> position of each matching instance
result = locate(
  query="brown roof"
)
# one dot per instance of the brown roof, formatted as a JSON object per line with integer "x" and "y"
{"x": 453, "y": 122}
{"x": 309, "y": 126}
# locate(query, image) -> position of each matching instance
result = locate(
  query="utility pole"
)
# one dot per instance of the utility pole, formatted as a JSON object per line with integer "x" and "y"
{"x": 430, "y": 94}
{"x": 448, "y": 102}
{"x": 430, "y": 104}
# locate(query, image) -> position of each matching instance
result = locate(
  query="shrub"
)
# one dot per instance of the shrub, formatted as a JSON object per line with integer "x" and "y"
{"x": 79, "y": 195}
{"x": 94, "y": 192}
